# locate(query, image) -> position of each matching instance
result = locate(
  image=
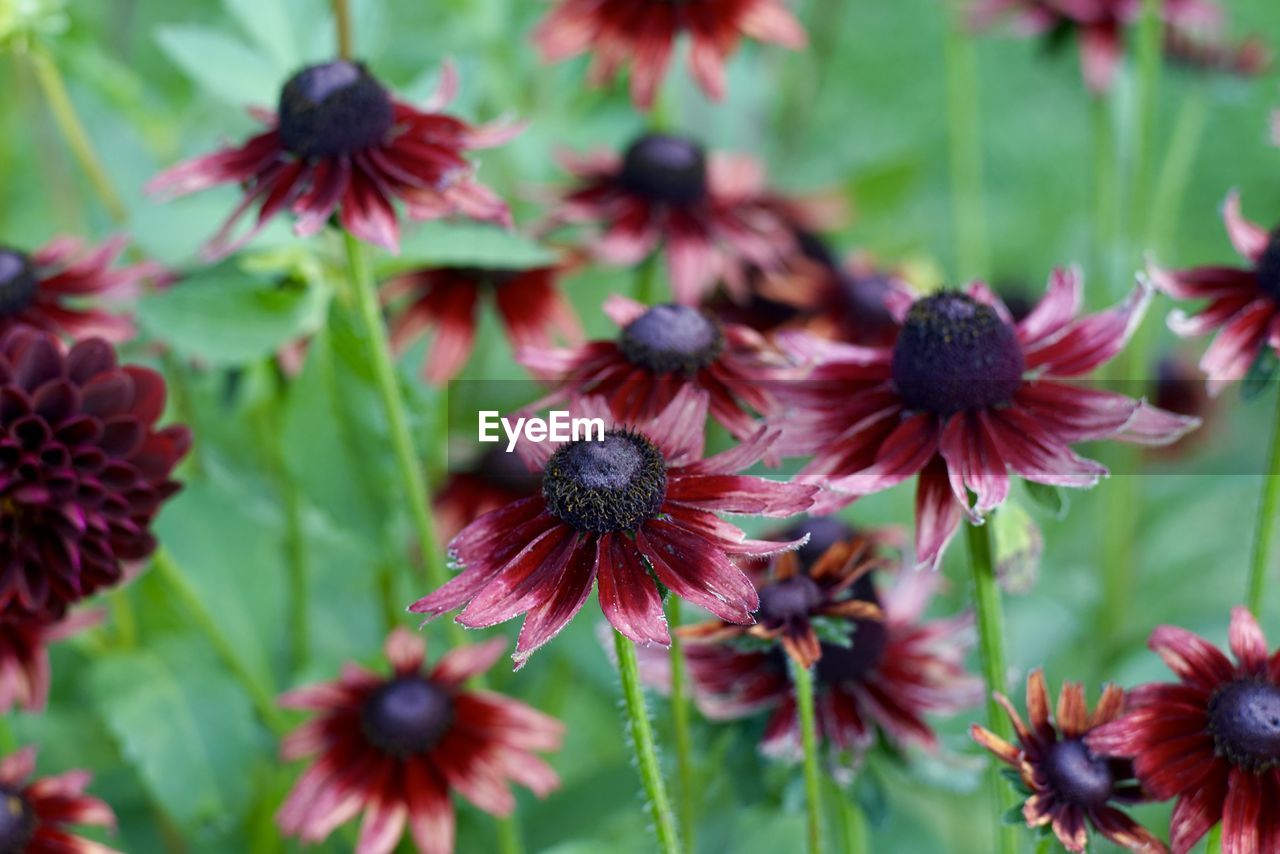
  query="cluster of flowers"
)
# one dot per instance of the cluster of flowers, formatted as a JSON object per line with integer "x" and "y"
{"x": 799, "y": 355}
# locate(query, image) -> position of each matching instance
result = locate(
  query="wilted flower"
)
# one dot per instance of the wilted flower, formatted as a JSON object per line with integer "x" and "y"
{"x": 1211, "y": 740}
{"x": 448, "y": 299}
{"x": 341, "y": 144}
{"x": 394, "y": 747}
{"x": 24, "y": 657}
{"x": 1068, "y": 787}
{"x": 635, "y": 508}
{"x": 34, "y": 815}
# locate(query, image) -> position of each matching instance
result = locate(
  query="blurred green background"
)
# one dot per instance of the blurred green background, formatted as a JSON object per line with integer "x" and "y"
{"x": 172, "y": 740}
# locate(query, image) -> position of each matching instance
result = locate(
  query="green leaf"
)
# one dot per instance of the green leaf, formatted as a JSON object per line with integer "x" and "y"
{"x": 1013, "y": 815}
{"x": 267, "y": 22}
{"x": 834, "y": 631}
{"x": 466, "y": 244}
{"x": 1019, "y": 545}
{"x": 185, "y": 726}
{"x": 224, "y": 317}
{"x": 220, "y": 64}
{"x": 1258, "y": 380}
{"x": 1048, "y": 498}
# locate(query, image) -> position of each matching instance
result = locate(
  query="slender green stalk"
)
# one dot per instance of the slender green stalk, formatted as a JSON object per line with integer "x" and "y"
{"x": 509, "y": 836}
{"x": 72, "y": 130}
{"x": 664, "y": 822}
{"x": 1171, "y": 185}
{"x": 1149, "y": 48}
{"x": 1213, "y": 842}
{"x": 1106, "y": 196}
{"x": 1266, "y": 524}
{"x": 686, "y": 788}
{"x": 851, "y": 824}
{"x": 964, "y": 137}
{"x": 342, "y": 23}
{"x": 986, "y": 602}
{"x": 802, "y": 681}
{"x": 8, "y": 743}
{"x": 260, "y": 695}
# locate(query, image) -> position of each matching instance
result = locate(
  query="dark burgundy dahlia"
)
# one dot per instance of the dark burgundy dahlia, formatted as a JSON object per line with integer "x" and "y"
{"x": 1211, "y": 739}
{"x": 709, "y": 215}
{"x": 660, "y": 350}
{"x": 962, "y": 398}
{"x": 34, "y": 813}
{"x": 620, "y": 32}
{"x": 448, "y": 298}
{"x": 394, "y": 747}
{"x": 1068, "y": 787}
{"x": 1243, "y": 305}
{"x": 24, "y": 656}
{"x": 83, "y": 469}
{"x": 893, "y": 671}
{"x": 634, "y": 508}
{"x": 340, "y": 143}
{"x": 47, "y": 288}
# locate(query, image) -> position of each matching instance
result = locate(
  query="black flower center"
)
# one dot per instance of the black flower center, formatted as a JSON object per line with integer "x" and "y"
{"x": 332, "y": 109}
{"x": 1268, "y": 270}
{"x": 851, "y": 664}
{"x": 670, "y": 338}
{"x": 18, "y": 283}
{"x": 407, "y": 715}
{"x": 1076, "y": 775}
{"x": 1244, "y": 717}
{"x": 17, "y": 822}
{"x": 790, "y": 599}
{"x": 664, "y": 168}
{"x": 955, "y": 354}
{"x": 616, "y": 484}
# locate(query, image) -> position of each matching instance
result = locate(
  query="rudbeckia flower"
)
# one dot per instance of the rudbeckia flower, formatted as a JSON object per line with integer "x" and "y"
{"x": 34, "y": 814}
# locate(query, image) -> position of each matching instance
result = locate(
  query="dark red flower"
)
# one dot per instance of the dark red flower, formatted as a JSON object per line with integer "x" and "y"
{"x": 964, "y": 396}
{"x": 896, "y": 671}
{"x": 394, "y": 747}
{"x": 1211, "y": 740}
{"x": 83, "y": 469}
{"x": 24, "y": 657}
{"x": 1098, "y": 25}
{"x": 448, "y": 298}
{"x": 1248, "y": 58}
{"x": 660, "y": 350}
{"x": 35, "y": 814}
{"x": 709, "y": 215}
{"x": 637, "y": 507}
{"x": 1179, "y": 388}
{"x": 621, "y": 32}
{"x": 47, "y": 288}
{"x": 341, "y": 143}
{"x": 1244, "y": 303}
{"x": 495, "y": 480}
{"x": 1068, "y": 786}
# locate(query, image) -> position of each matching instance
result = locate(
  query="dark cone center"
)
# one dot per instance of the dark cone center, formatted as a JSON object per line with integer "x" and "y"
{"x": 1244, "y": 717}
{"x": 1076, "y": 775}
{"x": 955, "y": 354}
{"x": 667, "y": 169}
{"x": 790, "y": 599}
{"x": 406, "y": 716}
{"x": 851, "y": 664}
{"x": 616, "y": 484}
{"x": 18, "y": 283}
{"x": 17, "y": 822}
{"x": 333, "y": 109}
{"x": 671, "y": 338}
{"x": 1268, "y": 270}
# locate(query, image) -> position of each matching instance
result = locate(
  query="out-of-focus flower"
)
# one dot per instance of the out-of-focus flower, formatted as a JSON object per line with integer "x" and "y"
{"x": 964, "y": 396}
{"x": 394, "y": 747}
{"x": 341, "y": 144}
{"x": 1211, "y": 739}
{"x": 448, "y": 299}
{"x": 1248, "y": 58}
{"x": 1067, "y": 786}
{"x": 619, "y": 33}
{"x": 495, "y": 480}
{"x": 1243, "y": 302}
{"x": 709, "y": 216}
{"x": 659, "y": 351}
{"x": 1179, "y": 388}
{"x": 46, "y": 288}
{"x": 24, "y": 657}
{"x": 83, "y": 469}
{"x": 34, "y": 814}
{"x": 634, "y": 508}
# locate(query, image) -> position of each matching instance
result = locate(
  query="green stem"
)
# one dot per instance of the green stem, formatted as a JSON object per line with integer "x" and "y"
{"x": 8, "y": 743}
{"x": 1106, "y": 195}
{"x": 964, "y": 136}
{"x": 509, "y": 835}
{"x": 1266, "y": 523}
{"x": 342, "y": 23}
{"x": 686, "y": 789}
{"x": 1149, "y": 49}
{"x": 77, "y": 138}
{"x": 802, "y": 679}
{"x": 646, "y": 276}
{"x": 1213, "y": 842}
{"x": 260, "y": 695}
{"x": 664, "y": 823}
{"x": 986, "y": 602}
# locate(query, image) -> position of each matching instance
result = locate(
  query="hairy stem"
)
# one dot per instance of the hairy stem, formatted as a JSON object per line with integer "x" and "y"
{"x": 686, "y": 788}
{"x": 802, "y": 680}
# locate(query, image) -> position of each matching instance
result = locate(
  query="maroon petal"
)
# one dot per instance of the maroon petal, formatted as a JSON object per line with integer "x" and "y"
{"x": 938, "y": 513}
{"x": 1196, "y": 661}
{"x": 694, "y": 569}
{"x": 628, "y": 596}
{"x": 1248, "y": 643}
